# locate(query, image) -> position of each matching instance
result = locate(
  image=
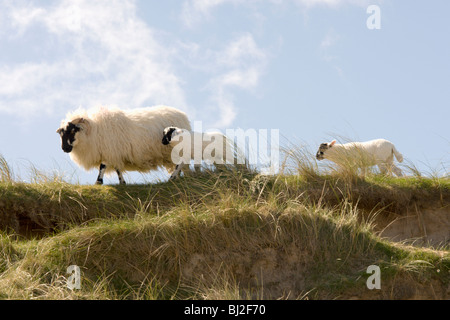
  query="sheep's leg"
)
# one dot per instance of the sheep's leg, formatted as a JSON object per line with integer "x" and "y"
{"x": 100, "y": 174}
{"x": 121, "y": 179}
{"x": 177, "y": 171}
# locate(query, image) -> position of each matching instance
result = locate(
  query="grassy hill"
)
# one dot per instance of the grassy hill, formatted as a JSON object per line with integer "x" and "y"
{"x": 227, "y": 235}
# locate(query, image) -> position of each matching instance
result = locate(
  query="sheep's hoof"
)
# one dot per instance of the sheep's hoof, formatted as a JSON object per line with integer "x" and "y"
{"x": 99, "y": 182}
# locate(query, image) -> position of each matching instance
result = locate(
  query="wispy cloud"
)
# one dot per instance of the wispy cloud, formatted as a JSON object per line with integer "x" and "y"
{"x": 239, "y": 64}
{"x": 247, "y": 64}
{"x": 195, "y": 11}
{"x": 330, "y": 40}
{"x": 224, "y": 69}
{"x": 107, "y": 56}
{"x": 331, "y": 3}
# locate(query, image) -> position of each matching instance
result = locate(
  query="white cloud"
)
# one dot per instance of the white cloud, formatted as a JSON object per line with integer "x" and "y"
{"x": 108, "y": 56}
{"x": 330, "y": 39}
{"x": 224, "y": 70}
{"x": 100, "y": 52}
{"x": 245, "y": 63}
{"x": 331, "y": 3}
{"x": 195, "y": 11}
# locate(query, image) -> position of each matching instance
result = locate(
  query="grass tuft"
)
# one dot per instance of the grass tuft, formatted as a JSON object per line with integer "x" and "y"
{"x": 309, "y": 232}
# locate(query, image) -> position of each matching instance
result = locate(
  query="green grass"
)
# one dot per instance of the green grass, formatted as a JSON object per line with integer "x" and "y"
{"x": 219, "y": 235}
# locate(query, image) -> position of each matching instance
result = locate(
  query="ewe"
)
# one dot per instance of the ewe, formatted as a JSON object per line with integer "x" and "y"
{"x": 378, "y": 152}
{"x": 113, "y": 139}
{"x": 199, "y": 146}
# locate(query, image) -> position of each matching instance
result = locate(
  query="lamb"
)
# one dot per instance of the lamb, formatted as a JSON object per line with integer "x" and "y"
{"x": 378, "y": 152}
{"x": 121, "y": 140}
{"x": 199, "y": 146}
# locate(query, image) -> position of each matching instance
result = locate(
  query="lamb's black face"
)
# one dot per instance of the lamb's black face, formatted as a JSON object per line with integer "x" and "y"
{"x": 167, "y": 135}
{"x": 320, "y": 153}
{"x": 68, "y": 136}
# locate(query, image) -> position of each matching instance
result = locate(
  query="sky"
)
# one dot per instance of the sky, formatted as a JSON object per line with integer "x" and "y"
{"x": 315, "y": 70}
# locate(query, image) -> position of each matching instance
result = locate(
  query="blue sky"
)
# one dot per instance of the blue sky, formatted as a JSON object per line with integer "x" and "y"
{"x": 310, "y": 68}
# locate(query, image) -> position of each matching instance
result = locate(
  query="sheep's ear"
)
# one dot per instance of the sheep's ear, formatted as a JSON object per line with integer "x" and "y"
{"x": 59, "y": 130}
{"x": 332, "y": 143}
{"x": 79, "y": 121}
{"x": 82, "y": 123}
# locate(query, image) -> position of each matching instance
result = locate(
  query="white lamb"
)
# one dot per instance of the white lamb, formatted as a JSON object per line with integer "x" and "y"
{"x": 120, "y": 140}
{"x": 200, "y": 146}
{"x": 378, "y": 152}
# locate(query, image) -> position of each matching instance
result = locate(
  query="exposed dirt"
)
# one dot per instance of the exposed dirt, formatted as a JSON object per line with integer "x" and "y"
{"x": 402, "y": 288}
{"x": 275, "y": 274}
{"x": 420, "y": 227}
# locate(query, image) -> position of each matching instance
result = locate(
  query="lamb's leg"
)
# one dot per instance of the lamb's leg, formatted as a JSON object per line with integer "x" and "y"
{"x": 398, "y": 172}
{"x": 363, "y": 171}
{"x": 177, "y": 171}
{"x": 197, "y": 168}
{"x": 100, "y": 174}
{"x": 121, "y": 179}
{"x": 383, "y": 168}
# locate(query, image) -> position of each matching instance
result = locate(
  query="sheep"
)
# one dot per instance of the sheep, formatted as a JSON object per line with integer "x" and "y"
{"x": 121, "y": 140}
{"x": 378, "y": 152}
{"x": 199, "y": 146}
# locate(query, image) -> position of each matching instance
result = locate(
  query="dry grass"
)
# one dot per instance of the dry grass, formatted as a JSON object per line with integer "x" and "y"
{"x": 306, "y": 233}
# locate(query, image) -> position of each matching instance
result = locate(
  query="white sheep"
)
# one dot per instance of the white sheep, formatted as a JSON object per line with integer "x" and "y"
{"x": 121, "y": 140}
{"x": 211, "y": 147}
{"x": 378, "y": 152}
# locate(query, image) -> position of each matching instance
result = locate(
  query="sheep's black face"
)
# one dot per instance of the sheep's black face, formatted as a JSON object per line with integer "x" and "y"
{"x": 320, "y": 153}
{"x": 68, "y": 136}
{"x": 167, "y": 135}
